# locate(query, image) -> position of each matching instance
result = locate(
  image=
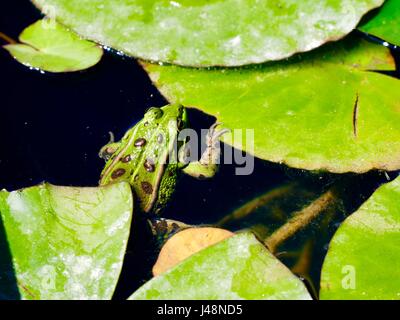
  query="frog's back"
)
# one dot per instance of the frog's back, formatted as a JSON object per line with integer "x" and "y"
{"x": 142, "y": 157}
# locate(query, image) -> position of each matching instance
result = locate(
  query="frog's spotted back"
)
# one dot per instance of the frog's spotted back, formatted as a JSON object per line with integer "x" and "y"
{"x": 142, "y": 156}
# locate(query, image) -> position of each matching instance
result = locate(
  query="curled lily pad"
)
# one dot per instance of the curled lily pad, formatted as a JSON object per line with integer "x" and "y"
{"x": 237, "y": 268}
{"x": 209, "y": 33}
{"x": 385, "y": 24}
{"x": 186, "y": 243}
{"x": 64, "y": 242}
{"x": 48, "y": 46}
{"x": 363, "y": 260}
{"x": 319, "y": 111}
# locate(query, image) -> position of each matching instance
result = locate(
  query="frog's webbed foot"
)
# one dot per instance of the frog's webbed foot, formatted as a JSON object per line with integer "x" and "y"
{"x": 109, "y": 149}
{"x": 207, "y": 166}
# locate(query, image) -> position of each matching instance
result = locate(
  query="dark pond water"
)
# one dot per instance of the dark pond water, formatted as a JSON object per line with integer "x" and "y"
{"x": 52, "y": 127}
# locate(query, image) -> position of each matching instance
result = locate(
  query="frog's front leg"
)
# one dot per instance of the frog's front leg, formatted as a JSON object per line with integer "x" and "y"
{"x": 207, "y": 166}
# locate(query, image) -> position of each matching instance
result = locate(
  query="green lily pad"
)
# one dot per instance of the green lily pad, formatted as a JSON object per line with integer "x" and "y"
{"x": 210, "y": 32}
{"x": 237, "y": 268}
{"x": 318, "y": 111}
{"x": 363, "y": 260}
{"x": 48, "y": 46}
{"x": 65, "y": 242}
{"x": 385, "y": 24}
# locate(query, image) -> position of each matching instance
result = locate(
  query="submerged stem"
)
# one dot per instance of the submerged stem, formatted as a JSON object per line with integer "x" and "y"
{"x": 7, "y": 39}
{"x": 251, "y": 206}
{"x": 300, "y": 220}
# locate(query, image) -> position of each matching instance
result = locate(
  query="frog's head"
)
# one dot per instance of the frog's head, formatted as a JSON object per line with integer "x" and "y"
{"x": 166, "y": 116}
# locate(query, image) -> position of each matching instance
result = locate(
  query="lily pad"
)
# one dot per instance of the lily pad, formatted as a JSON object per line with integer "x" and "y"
{"x": 186, "y": 243}
{"x": 48, "y": 46}
{"x": 65, "y": 242}
{"x": 210, "y": 32}
{"x": 385, "y": 24}
{"x": 363, "y": 260}
{"x": 318, "y": 111}
{"x": 237, "y": 268}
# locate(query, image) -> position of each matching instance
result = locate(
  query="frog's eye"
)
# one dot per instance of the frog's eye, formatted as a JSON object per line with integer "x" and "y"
{"x": 154, "y": 113}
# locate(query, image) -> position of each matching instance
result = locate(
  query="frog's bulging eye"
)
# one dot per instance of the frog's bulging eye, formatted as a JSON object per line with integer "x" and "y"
{"x": 118, "y": 173}
{"x": 140, "y": 142}
{"x": 154, "y": 113}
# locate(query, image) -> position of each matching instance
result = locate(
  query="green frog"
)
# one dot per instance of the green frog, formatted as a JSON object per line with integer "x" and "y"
{"x": 150, "y": 157}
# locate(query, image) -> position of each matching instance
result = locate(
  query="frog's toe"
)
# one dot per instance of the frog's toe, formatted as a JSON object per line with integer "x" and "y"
{"x": 213, "y": 135}
{"x": 220, "y": 133}
{"x": 214, "y": 126}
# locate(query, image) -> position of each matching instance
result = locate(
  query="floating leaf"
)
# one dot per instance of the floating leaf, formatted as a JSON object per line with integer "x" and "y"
{"x": 363, "y": 260}
{"x": 48, "y": 46}
{"x": 65, "y": 243}
{"x": 237, "y": 268}
{"x": 385, "y": 24}
{"x": 186, "y": 243}
{"x": 318, "y": 111}
{"x": 210, "y": 32}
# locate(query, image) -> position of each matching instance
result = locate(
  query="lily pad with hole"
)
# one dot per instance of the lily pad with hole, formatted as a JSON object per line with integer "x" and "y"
{"x": 363, "y": 261}
{"x": 48, "y": 46}
{"x": 318, "y": 111}
{"x": 63, "y": 242}
{"x": 385, "y": 24}
{"x": 239, "y": 267}
{"x": 210, "y": 32}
